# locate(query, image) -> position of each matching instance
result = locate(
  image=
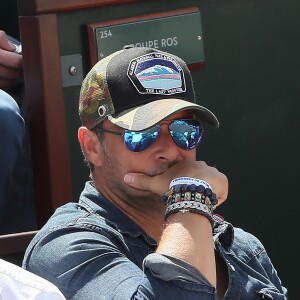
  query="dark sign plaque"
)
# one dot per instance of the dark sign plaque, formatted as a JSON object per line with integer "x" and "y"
{"x": 178, "y": 32}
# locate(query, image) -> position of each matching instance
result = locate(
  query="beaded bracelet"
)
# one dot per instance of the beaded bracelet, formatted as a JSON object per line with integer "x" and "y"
{"x": 192, "y": 198}
{"x": 191, "y": 192}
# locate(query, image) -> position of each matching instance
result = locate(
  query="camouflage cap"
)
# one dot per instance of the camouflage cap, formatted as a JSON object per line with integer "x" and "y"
{"x": 136, "y": 88}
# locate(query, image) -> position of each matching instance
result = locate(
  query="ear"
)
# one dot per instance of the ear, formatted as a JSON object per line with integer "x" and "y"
{"x": 90, "y": 145}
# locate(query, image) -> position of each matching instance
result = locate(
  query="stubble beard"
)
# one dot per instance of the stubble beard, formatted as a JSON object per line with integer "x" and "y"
{"x": 131, "y": 196}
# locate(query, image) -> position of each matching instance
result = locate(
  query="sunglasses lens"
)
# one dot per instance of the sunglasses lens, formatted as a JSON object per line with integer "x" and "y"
{"x": 186, "y": 133}
{"x": 137, "y": 141}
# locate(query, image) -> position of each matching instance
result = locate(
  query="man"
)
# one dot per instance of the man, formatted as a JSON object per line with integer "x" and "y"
{"x": 144, "y": 227}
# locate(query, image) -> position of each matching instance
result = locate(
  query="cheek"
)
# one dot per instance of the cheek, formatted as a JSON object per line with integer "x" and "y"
{"x": 135, "y": 162}
{"x": 125, "y": 160}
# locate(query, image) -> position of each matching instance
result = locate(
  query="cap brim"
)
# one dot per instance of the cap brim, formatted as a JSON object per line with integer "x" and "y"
{"x": 147, "y": 115}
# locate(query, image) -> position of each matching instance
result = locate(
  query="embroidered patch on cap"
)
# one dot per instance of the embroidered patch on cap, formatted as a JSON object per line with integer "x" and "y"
{"x": 156, "y": 73}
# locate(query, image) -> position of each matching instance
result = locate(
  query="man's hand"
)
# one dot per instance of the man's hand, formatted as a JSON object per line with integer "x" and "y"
{"x": 159, "y": 184}
{"x": 11, "y": 64}
{"x": 186, "y": 236}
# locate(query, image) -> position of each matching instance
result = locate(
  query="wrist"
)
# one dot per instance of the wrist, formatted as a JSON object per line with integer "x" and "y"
{"x": 190, "y": 198}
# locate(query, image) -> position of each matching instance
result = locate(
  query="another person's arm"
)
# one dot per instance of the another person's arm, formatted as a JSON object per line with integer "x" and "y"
{"x": 11, "y": 64}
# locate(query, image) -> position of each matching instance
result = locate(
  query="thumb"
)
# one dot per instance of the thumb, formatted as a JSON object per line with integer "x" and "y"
{"x": 137, "y": 180}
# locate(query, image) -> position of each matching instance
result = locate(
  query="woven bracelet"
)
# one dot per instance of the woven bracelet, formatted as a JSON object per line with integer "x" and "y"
{"x": 190, "y": 206}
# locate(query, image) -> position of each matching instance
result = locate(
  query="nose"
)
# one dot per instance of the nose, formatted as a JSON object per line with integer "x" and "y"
{"x": 165, "y": 147}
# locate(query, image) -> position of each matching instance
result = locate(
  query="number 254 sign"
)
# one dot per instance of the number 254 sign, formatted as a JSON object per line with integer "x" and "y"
{"x": 165, "y": 31}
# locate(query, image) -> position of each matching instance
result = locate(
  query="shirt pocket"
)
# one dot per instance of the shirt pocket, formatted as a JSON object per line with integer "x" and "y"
{"x": 270, "y": 294}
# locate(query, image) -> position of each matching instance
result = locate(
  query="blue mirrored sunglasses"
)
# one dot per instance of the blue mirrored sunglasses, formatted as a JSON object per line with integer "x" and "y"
{"x": 185, "y": 133}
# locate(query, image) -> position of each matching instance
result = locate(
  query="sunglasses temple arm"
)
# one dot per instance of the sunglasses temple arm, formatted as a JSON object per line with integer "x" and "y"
{"x": 112, "y": 132}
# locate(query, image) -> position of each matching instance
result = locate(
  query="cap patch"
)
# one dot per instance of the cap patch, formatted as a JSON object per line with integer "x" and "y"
{"x": 156, "y": 73}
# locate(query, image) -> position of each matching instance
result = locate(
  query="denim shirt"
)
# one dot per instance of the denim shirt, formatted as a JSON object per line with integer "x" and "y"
{"x": 92, "y": 250}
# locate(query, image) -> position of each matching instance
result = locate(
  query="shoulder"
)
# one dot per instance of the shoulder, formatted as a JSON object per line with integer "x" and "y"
{"x": 71, "y": 222}
{"x": 74, "y": 241}
{"x": 70, "y": 231}
{"x": 249, "y": 253}
{"x": 246, "y": 245}
{"x": 245, "y": 238}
